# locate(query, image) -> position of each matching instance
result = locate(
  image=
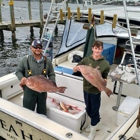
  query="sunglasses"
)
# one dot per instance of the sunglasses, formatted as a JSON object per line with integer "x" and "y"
{"x": 37, "y": 47}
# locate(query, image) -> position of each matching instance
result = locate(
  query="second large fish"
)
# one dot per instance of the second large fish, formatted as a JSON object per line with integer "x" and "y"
{"x": 42, "y": 84}
{"x": 93, "y": 76}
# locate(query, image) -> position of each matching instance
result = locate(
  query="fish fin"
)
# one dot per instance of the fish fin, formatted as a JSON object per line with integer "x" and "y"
{"x": 61, "y": 89}
{"x": 100, "y": 89}
{"x": 63, "y": 106}
{"x": 108, "y": 92}
{"x": 90, "y": 65}
{"x": 97, "y": 67}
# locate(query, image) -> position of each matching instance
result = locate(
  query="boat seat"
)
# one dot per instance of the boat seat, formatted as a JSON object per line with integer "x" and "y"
{"x": 66, "y": 60}
{"x": 75, "y": 53}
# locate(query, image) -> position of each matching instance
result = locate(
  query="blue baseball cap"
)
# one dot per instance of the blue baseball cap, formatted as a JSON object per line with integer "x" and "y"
{"x": 36, "y": 43}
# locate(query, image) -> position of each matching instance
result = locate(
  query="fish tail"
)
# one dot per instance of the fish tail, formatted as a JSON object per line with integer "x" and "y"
{"x": 108, "y": 92}
{"x": 61, "y": 89}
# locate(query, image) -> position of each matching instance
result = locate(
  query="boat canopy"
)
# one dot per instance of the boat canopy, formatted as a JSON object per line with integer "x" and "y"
{"x": 73, "y": 36}
{"x": 106, "y": 30}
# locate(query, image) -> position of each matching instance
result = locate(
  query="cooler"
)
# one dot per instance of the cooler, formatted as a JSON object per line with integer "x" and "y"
{"x": 126, "y": 108}
{"x": 73, "y": 96}
{"x": 60, "y": 69}
{"x": 109, "y": 52}
{"x": 72, "y": 121}
{"x": 73, "y": 83}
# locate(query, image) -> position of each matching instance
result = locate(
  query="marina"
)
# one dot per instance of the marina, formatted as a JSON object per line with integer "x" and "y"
{"x": 119, "y": 114}
{"x": 11, "y": 26}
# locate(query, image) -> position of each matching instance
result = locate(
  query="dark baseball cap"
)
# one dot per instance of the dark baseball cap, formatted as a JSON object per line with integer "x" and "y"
{"x": 36, "y": 43}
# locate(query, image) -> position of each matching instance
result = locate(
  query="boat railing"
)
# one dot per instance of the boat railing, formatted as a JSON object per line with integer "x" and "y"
{"x": 131, "y": 41}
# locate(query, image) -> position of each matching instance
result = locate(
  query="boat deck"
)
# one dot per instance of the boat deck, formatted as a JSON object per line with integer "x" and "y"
{"x": 106, "y": 110}
{"x": 108, "y": 121}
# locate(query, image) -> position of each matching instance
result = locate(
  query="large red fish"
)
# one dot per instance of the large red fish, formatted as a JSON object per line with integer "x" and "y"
{"x": 93, "y": 76}
{"x": 42, "y": 84}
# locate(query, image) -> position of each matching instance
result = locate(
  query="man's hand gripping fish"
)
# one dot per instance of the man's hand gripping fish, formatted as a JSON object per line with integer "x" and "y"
{"x": 93, "y": 76}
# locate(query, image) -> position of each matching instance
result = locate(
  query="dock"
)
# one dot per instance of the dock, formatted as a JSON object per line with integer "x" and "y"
{"x": 101, "y": 15}
{"x": 25, "y": 23}
{"x": 12, "y": 24}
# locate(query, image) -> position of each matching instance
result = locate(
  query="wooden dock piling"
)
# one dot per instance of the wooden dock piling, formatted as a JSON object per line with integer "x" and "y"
{"x": 29, "y": 10}
{"x": 30, "y": 18}
{"x": 12, "y": 24}
{"x": 12, "y": 28}
{"x": 0, "y": 13}
{"x": 41, "y": 17}
{"x": 1, "y": 31}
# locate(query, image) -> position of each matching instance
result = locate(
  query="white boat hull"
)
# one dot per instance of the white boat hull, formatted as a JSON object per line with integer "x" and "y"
{"x": 18, "y": 122}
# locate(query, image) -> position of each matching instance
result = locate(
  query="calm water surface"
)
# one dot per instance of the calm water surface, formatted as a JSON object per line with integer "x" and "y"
{"x": 11, "y": 53}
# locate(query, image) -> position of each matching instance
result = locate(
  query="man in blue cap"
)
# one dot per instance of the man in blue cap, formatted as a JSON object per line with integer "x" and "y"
{"x": 34, "y": 64}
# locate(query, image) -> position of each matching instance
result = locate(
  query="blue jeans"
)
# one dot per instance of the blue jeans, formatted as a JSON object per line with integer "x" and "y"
{"x": 93, "y": 102}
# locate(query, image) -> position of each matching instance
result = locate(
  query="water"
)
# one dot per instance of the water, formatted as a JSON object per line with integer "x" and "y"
{"x": 11, "y": 53}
